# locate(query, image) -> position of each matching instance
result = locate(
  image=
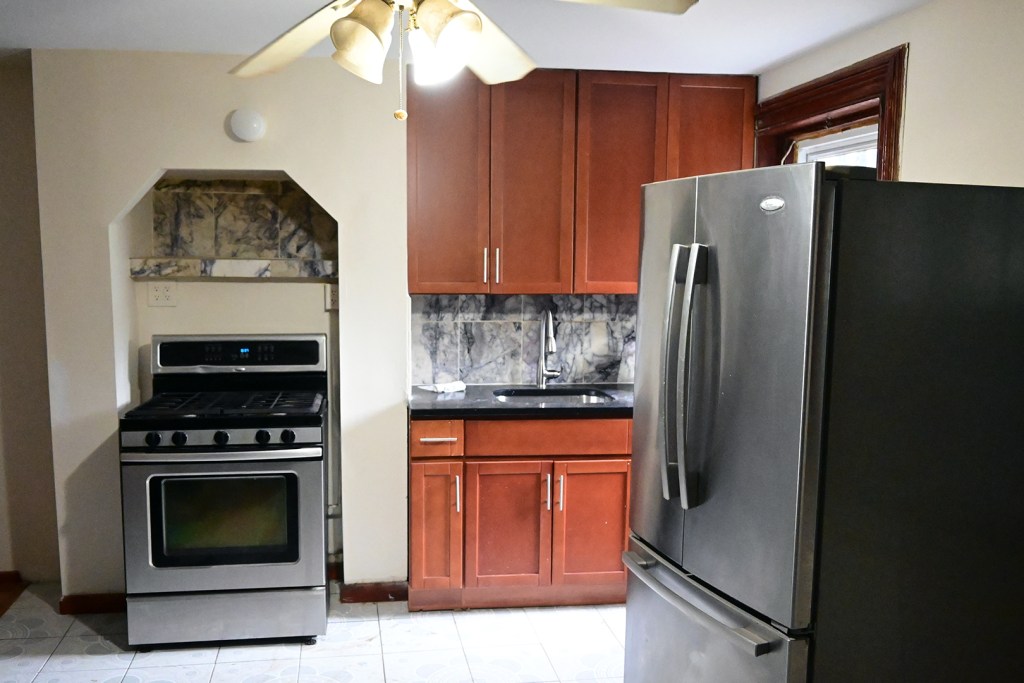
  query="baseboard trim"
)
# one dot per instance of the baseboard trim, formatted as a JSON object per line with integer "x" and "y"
{"x": 375, "y": 592}
{"x": 334, "y": 571}
{"x": 92, "y": 603}
{"x": 10, "y": 577}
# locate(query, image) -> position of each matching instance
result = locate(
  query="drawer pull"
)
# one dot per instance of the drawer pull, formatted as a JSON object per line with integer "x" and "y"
{"x": 438, "y": 439}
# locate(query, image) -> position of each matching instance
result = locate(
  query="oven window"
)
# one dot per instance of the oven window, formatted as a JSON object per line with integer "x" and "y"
{"x": 241, "y": 519}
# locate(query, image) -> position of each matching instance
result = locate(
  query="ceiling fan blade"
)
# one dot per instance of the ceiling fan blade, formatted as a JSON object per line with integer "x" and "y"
{"x": 496, "y": 58}
{"x": 669, "y": 6}
{"x": 296, "y": 41}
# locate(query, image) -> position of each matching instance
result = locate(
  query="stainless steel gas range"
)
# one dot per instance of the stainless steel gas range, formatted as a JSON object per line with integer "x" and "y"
{"x": 223, "y": 491}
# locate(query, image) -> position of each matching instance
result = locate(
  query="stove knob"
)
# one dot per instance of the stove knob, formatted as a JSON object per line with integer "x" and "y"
{"x": 221, "y": 438}
{"x": 179, "y": 438}
{"x": 153, "y": 439}
{"x": 287, "y": 436}
{"x": 263, "y": 437}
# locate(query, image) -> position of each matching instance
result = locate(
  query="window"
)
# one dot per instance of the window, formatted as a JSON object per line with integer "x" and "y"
{"x": 868, "y": 92}
{"x": 856, "y": 146}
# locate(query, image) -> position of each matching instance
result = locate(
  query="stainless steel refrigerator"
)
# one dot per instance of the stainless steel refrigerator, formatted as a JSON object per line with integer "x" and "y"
{"x": 828, "y": 455}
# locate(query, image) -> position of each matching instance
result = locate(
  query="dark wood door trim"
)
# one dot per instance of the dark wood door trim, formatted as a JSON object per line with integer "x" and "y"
{"x": 870, "y": 90}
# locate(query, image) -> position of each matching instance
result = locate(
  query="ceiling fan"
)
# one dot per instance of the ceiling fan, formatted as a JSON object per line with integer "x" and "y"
{"x": 445, "y": 35}
{"x": 668, "y": 6}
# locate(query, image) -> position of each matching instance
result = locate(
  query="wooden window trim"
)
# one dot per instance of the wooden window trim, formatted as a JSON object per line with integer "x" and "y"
{"x": 870, "y": 90}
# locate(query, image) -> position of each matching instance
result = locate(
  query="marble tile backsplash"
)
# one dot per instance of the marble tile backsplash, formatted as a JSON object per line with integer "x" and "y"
{"x": 483, "y": 339}
{"x": 238, "y": 228}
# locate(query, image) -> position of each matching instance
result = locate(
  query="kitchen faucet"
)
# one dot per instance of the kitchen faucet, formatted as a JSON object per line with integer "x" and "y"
{"x": 547, "y": 345}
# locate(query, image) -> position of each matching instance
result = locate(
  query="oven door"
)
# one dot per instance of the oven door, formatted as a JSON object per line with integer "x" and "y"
{"x": 201, "y": 525}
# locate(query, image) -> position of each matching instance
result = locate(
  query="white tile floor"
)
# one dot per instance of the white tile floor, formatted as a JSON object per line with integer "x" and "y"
{"x": 365, "y": 643}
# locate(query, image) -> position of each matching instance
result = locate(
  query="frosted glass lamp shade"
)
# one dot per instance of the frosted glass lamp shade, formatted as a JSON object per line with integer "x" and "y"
{"x": 361, "y": 40}
{"x": 247, "y": 125}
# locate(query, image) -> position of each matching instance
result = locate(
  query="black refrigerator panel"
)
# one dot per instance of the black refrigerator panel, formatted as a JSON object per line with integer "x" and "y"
{"x": 924, "y": 457}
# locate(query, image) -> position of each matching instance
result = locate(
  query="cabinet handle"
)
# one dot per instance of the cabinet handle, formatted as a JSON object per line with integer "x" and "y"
{"x": 486, "y": 265}
{"x": 561, "y": 492}
{"x": 549, "y": 492}
{"x": 497, "y": 266}
{"x": 458, "y": 496}
{"x": 438, "y": 439}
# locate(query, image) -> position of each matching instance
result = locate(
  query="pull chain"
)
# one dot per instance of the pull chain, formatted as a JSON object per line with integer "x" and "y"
{"x": 401, "y": 114}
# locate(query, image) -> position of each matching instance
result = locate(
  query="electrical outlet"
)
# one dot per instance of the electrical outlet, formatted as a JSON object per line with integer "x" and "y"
{"x": 163, "y": 293}
{"x": 330, "y": 297}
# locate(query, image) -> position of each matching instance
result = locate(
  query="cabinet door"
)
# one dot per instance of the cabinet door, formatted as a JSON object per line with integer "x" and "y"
{"x": 623, "y": 121}
{"x": 711, "y": 124}
{"x": 590, "y": 521}
{"x": 508, "y": 523}
{"x": 533, "y": 150}
{"x": 435, "y": 525}
{"x": 448, "y": 186}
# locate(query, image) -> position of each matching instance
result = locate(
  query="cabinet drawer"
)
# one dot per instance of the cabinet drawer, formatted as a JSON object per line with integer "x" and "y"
{"x": 436, "y": 438}
{"x": 547, "y": 437}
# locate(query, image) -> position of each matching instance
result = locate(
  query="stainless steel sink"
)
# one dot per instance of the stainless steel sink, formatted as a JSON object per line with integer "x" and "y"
{"x": 553, "y": 395}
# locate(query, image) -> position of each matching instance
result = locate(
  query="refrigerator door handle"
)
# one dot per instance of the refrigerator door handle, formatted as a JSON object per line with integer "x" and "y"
{"x": 696, "y": 274}
{"x": 750, "y": 642}
{"x": 670, "y": 361}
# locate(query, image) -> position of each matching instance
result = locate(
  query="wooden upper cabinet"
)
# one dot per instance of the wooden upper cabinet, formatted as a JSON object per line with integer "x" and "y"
{"x": 711, "y": 124}
{"x": 533, "y": 145}
{"x": 622, "y": 144}
{"x": 448, "y": 147}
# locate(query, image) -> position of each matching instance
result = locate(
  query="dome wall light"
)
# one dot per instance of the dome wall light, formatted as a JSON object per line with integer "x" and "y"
{"x": 247, "y": 125}
{"x": 361, "y": 40}
{"x": 442, "y": 40}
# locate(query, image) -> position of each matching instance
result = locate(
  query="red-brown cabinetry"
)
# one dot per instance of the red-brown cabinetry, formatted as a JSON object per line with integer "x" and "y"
{"x": 542, "y": 518}
{"x": 534, "y": 186}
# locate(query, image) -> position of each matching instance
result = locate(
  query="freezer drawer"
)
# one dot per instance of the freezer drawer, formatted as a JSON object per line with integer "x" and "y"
{"x": 678, "y": 632}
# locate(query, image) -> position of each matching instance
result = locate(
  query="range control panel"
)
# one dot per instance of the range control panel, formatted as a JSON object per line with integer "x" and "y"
{"x": 183, "y": 354}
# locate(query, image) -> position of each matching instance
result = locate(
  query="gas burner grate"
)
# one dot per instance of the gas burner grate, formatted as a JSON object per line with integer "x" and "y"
{"x": 228, "y": 403}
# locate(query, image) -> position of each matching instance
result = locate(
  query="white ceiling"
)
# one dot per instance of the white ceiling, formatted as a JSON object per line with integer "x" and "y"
{"x": 715, "y": 36}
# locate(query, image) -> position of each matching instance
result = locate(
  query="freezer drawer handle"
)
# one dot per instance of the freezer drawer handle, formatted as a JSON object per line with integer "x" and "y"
{"x": 749, "y": 642}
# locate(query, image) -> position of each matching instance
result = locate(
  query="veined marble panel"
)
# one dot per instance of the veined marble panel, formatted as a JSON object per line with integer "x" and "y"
{"x": 498, "y": 340}
{"x": 232, "y": 228}
{"x": 156, "y": 267}
{"x": 434, "y": 352}
{"x": 306, "y": 230}
{"x": 490, "y": 307}
{"x": 490, "y": 352}
{"x": 249, "y": 228}
{"x": 233, "y": 268}
{"x": 184, "y": 224}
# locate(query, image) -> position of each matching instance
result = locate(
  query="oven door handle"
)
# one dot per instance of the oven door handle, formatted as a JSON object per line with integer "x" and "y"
{"x": 313, "y": 453}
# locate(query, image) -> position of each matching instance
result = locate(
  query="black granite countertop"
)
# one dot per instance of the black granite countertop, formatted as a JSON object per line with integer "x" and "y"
{"x": 479, "y": 400}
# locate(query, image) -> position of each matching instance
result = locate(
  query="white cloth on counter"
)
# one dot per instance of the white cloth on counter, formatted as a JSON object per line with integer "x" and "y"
{"x": 445, "y": 387}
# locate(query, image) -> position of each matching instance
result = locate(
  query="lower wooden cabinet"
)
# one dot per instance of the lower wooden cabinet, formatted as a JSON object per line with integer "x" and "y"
{"x": 435, "y": 525}
{"x": 497, "y": 531}
{"x": 591, "y": 522}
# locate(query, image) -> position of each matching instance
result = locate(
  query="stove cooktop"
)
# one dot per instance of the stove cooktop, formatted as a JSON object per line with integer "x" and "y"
{"x": 212, "y": 404}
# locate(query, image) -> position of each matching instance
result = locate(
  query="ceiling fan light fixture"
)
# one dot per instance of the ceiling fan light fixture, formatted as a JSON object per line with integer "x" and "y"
{"x": 443, "y": 40}
{"x": 361, "y": 40}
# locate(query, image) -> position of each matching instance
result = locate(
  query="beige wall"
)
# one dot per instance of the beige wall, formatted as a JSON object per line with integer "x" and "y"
{"x": 107, "y": 125}
{"x": 28, "y": 528}
{"x": 964, "y": 94}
